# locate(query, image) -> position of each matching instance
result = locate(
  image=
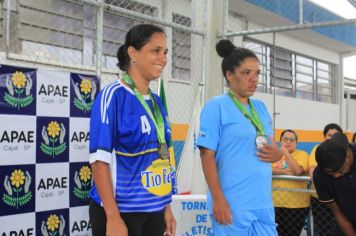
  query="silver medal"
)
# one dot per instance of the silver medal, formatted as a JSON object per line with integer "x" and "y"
{"x": 163, "y": 151}
{"x": 260, "y": 139}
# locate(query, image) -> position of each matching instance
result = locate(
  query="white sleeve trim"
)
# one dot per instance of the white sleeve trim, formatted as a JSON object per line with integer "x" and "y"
{"x": 100, "y": 155}
{"x": 326, "y": 201}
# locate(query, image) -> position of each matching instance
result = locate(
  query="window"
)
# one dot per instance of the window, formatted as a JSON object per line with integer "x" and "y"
{"x": 324, "y": 75}
{"x": 181, "y": 49}
{"x": 304, "y": 77}
{"x": 281, "y": 71}
{"x": 295, "y": 75}
{"x": 49, "y": 30}
{"x": 261, "y": 51}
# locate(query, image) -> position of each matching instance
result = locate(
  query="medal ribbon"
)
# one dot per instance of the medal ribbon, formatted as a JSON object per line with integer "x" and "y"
{"x": 157, "y": 117}
{"x": 253, "y": 117}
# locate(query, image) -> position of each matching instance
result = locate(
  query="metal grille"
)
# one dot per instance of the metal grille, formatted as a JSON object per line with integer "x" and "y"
{"x": 49, "y": 30}
{"x": 73, "y": 34}
{"x": 296, "y": 211}
{"x": 181, "y": 67}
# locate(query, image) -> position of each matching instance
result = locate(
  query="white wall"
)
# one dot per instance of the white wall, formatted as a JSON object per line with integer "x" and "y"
{"x": 299, "y": 113}
{"x": 350, "y": 111}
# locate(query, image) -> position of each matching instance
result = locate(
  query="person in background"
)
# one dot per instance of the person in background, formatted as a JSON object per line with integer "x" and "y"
{"x": 291, "y": 208}
{"x": 323, "y": 218}
{"x": 235, "y": 151}
{"x": 335, "y": 181}
{"x": 129, "y": 137}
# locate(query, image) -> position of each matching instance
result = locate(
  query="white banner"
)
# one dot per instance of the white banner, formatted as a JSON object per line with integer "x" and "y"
{"x": 191, "y": 214}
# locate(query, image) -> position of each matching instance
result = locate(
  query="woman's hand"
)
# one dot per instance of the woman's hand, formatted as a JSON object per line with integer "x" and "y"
{"x": 170, "y": 222}
{"x": 221, "y": 211}
{"x": 269, "y": 153}
{"x": 284, "y": 150}
{"x": 116, "y": 227}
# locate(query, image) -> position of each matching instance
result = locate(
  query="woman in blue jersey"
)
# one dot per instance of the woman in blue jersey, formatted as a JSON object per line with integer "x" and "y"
{"x": 235, "y": 151}
{"x": 129, "y": 136}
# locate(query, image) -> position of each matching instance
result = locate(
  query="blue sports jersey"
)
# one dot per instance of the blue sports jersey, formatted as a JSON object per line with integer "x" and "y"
{"x": 244, "y": 179}
{"x": 123, "y": 135}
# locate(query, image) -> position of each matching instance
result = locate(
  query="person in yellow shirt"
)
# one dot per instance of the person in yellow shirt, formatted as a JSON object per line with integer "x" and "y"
{"x": 323, "y": 218}
{"x": 291, "y": 207}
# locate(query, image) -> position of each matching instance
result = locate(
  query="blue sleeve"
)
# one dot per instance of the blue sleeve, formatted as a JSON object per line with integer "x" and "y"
{"x": 210, "y": 126}
{"x": 102, "y": 127}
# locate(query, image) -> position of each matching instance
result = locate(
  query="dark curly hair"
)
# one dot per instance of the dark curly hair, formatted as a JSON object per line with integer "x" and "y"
{"x": 232, "y": 56}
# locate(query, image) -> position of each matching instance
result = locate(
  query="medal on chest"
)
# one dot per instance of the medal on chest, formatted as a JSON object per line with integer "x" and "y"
{"x": 163, "y": 151}
{"x": 260, "y": 139}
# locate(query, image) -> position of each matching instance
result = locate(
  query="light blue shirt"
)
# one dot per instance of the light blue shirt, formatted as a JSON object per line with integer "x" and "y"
{"x": 244, "y": 179}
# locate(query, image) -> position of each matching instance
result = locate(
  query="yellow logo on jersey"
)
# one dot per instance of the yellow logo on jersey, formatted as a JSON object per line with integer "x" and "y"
{"x": 157, "y": 179}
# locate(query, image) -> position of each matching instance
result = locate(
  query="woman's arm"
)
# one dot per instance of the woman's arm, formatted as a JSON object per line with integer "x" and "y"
{"x": 170, "y": 221}
{"x": 293, "y": 166}
{"x": 279, "y": 171}
{"x": 221, "y": 209}
{"x": 102, "y": 178}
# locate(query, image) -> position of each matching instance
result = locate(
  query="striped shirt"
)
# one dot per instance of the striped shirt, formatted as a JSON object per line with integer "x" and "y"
{"x": 123, "y": 135}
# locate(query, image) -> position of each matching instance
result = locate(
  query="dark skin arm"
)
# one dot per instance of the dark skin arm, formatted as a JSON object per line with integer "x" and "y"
{"x": 221, "y": 208}
{"x": 342, "y": 220}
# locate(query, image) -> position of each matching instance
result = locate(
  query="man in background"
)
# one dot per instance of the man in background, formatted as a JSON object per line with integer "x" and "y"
{"x": 335, "y": 181}
{"x": 323, "y": 219}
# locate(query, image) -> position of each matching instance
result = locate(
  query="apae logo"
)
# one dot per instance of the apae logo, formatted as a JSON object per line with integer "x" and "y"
{"x": 81, "y": 227}
{"x": 82, "y": 182}
{"x": 80, "y": 138}
{"x": 53, "y": 226}
{"x": 17, "y": 188}
{"x": 85, "y": 94}
{"x": 53, "y": 139}
{"x": 18, "y": 90}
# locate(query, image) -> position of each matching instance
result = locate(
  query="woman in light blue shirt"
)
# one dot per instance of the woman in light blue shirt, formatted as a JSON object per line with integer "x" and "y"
{"x": 235, "y": 151}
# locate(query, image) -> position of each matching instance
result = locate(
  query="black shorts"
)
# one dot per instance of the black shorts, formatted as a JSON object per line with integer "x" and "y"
{"x": 137, "y": 223}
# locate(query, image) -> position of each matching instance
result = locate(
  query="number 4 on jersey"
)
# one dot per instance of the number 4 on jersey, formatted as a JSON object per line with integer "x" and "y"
{"x": 145, "y": 125}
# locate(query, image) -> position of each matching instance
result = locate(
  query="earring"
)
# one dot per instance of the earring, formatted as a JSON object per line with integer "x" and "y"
{"x": 133, "y": 62}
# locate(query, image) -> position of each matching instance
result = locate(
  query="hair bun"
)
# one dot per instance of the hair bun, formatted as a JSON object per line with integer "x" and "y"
{"x": 224, "y": 47}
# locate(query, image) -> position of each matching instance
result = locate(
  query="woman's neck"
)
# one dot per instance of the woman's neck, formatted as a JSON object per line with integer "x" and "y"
{"x": 242, "y": 99}
{"x": 141, "y": 83}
